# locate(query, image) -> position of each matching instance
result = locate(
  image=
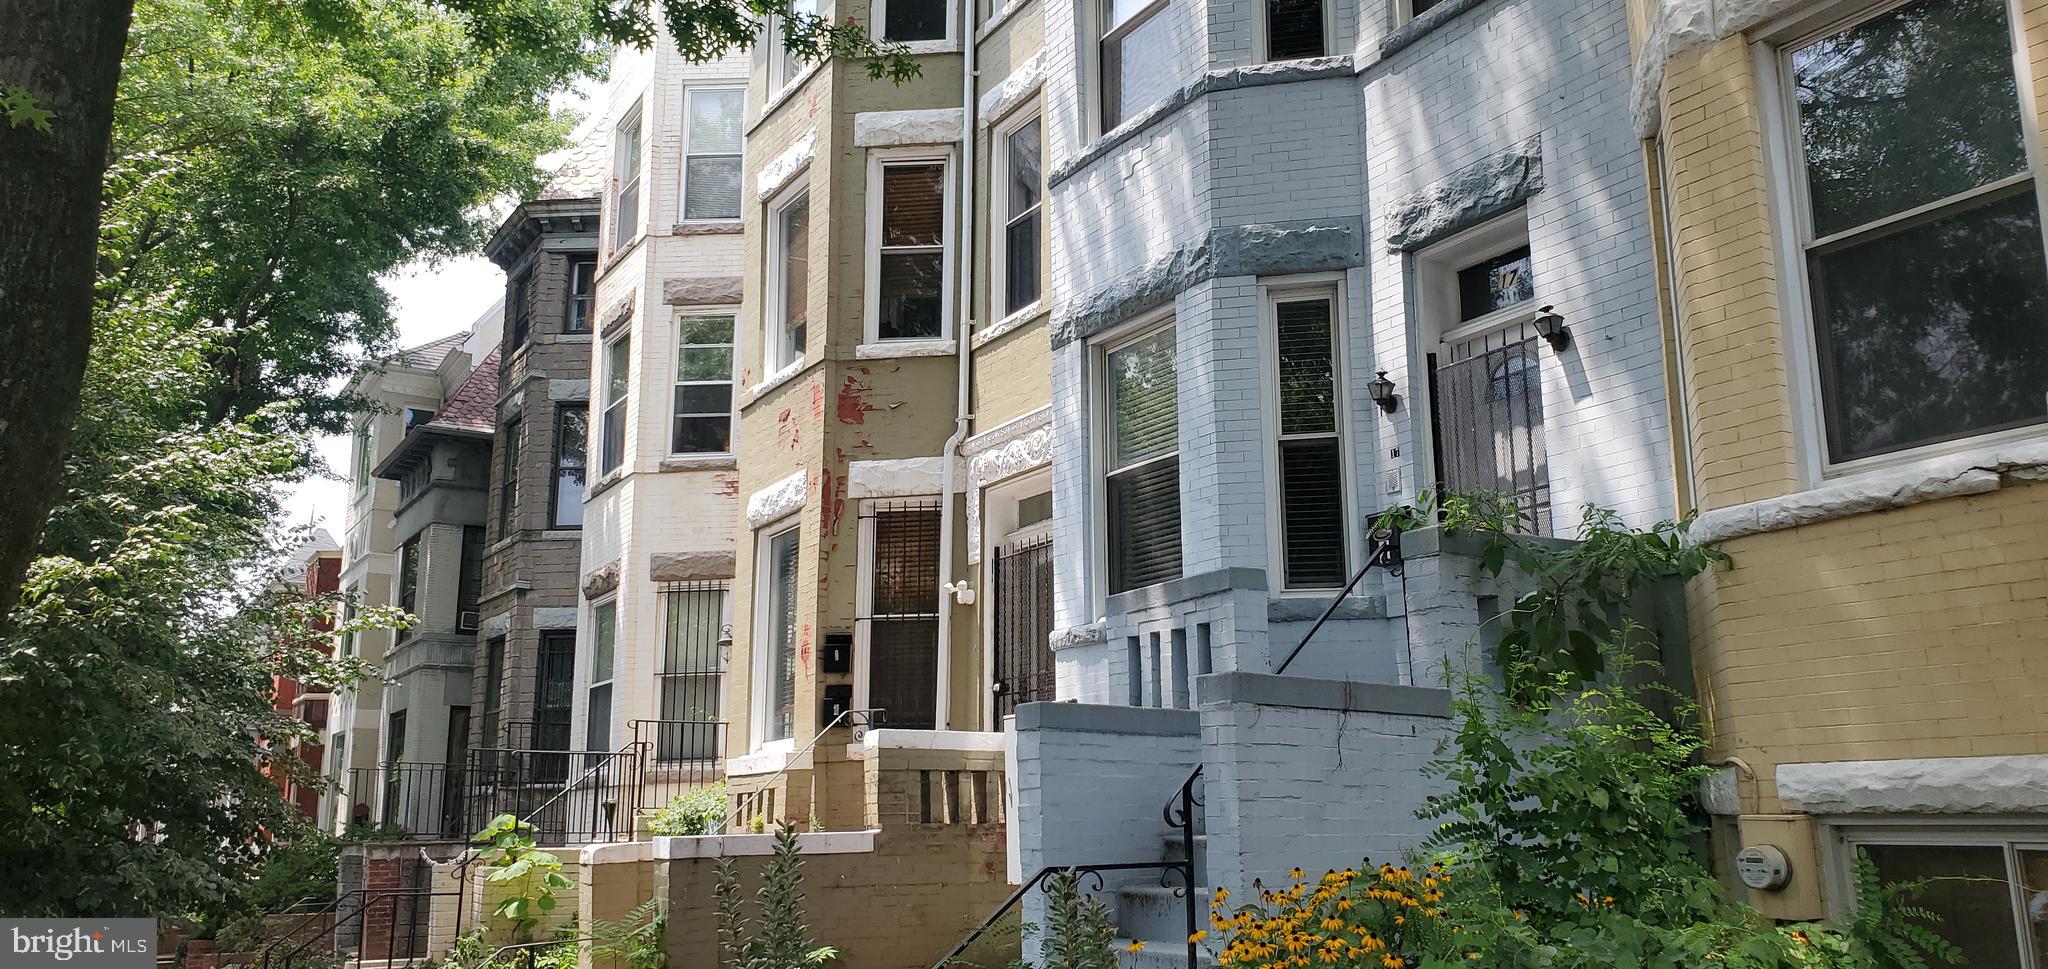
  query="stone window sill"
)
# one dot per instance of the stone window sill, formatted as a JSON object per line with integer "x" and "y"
{"x": 776, "y": 379}
{"x": 698, "y": 462}
{"x": 906, "y": 348}
{"x": 1010, "y": 324}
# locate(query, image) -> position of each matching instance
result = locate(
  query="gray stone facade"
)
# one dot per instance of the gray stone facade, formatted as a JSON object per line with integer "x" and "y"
{"x": 532, "y": 565}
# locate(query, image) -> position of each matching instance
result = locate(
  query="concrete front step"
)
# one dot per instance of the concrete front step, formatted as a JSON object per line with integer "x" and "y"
{"x": 1161, "y": 955}
{"x": 1150, "y": 912}
{"x": 1174, "y": 849}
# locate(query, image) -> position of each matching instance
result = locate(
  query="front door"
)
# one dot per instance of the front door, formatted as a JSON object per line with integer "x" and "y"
{"x": 902, "y": 615}
{"x": 1023, "y": 623}
{"x": 1487, "y": 412}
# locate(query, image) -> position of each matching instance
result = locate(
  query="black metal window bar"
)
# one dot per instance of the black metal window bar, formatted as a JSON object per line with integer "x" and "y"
{"x": 1023, "y": 624}
{"x": 1488, "y": 413}
{"x": 901, "y": 613}
{"x": 690, "y": 686}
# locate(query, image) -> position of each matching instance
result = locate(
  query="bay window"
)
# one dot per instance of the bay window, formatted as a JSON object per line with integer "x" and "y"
{"x": 789, "y": 287}
{"x": 626, "y": 179}
{"x": 1310, "y": 459}
{"x": 582, "y": 294}
{"x": 1920, "y": 228}
{"x": 711, "y": 154}
{"x": 572, "y": 461}
{"x": 908, "y": 259}
{"x": 604, "y": 637}
{"x": 703, "y": 389}
{"x": 776, "y": 622}
{"x": 1142, "y": 485}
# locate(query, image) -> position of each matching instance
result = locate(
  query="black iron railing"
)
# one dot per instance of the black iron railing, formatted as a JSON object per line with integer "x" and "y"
{"x": 388, "y": 925}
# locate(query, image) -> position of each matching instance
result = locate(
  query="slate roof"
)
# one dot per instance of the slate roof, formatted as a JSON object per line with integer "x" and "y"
{"x": 428, "y": 356}
{"x": 475, "y": 403}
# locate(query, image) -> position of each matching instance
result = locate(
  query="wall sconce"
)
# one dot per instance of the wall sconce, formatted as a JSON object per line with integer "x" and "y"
{"x": 1550, "y": 326}
{"x": 1382, "y": 392}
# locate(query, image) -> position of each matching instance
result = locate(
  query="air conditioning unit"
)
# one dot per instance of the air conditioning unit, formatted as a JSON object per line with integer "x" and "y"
{"x": 466, "y": 621}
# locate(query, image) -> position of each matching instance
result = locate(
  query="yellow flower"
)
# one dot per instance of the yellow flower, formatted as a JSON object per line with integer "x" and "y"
{"x": 1294, "y": 873}
{"x": 1198, "y": 936}
{"x": 1138, "y": 946}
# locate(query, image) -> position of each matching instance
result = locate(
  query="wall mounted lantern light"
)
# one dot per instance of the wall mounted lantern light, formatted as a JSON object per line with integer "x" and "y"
{"x": 1550, "y": 326}
{"x": 1382, "y": 392}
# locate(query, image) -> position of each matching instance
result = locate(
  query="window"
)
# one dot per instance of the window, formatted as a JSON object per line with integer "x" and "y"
{"x": 1294, "y": 29}
{"x": 1478, "y": 295}
{"x": 775, "y": 698}
{"x": 408, "y": 582}
{"x": 1020, "y": 189}
{"x": 348, "y": 636}
{"x": 365, "y": 455}
{"x": 618, "y": 361}
{"x": 900, "y": 611}
{"x": 1313, "y": 524}
{"x": 703, "y": 392}
{"x": 1135, "y": 58}
{"x": 604, "y": 635}
{"x": 493, "y": 698}
{"x": 519, "y": 310}
{"x": 415, "y": 416}
{"x": 1921, "y": 228}
{"x": 1982, "y": 883}
{"x": 711, "y": 154}
{"x": 582, "y": 294}
{"x": 1411, "y": 9}
{"x": 508, "y": 477}
{"x": 1143, "y": 486}
{"x": 626, "y": 177}
{"x": 692, "y": 677}
{"x": 469, "y": 587}
{"x": 785, "y": 66}
{"x": 572, "y": 462}
{"x": 907, "y": 264}
{"x": 914, "y": 19}
{"x": 790, "y": 285}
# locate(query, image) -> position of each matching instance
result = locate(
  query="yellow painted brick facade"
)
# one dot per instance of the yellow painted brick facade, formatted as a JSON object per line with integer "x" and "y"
{"x": 1913, "y": 632}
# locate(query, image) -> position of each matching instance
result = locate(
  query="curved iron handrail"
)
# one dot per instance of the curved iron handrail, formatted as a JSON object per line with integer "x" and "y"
{"x": 864, "y": 718}
{"x": 331, "y": 909}
{"x": 1385, "y": 551}
{"x": 361, "y": 915}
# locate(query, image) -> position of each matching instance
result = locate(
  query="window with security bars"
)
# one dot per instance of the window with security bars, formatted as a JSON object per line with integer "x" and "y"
{"x": 1023, "y": 624}
{"x": 910, "y": 254}
{"x": 692, "y": 677}
{"x": 901, "y": 612}
{"x": 1920, "y": 223}
{"x": 1311, "y": 447}
{"x": 1143, "y": 483}
{"x": 1489, "y": 418}
{"x": 554, "y": 699}
{"x": 1294, "y": 29}
{"x": 776, "y": 695}
{"x": 711, "y": 154}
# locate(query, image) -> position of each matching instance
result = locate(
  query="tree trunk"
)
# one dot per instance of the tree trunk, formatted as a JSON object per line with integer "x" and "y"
{"x": 67, "y": 55}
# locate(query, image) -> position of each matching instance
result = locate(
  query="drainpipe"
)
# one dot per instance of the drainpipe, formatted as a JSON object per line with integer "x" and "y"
{"x": 963, "y": 354}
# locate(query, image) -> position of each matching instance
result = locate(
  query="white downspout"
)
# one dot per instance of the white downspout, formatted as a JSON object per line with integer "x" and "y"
{"x": 963, "y": 351}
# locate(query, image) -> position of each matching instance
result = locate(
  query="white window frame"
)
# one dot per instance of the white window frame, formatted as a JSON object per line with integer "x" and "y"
{"x": 1273, "y": 292}
{"x": 1841, "y": 838}
{"x": 878, "y": 160}
{"x": 773, "y": 321}
{"x": 365, "y": 458}
{"x": 949, "y": 42}
{"x": 1262, "y": 41}
{"x": 589, "y": 675}
{"x": 1404, "y": 10}
{"x": 783, "y": 74}
{"x": 624, "y": 231}
{"x": 675, "y": 367}
{"x": 1785, "y": 161}
{"x": 683, "y": 169}
{"x": 1098, "y": 78}
{"x": 604, "y": 408}
{"x": 721, "y": 634}
{"x": 1099, "y": 468}
{"x": 999, "y": 223}
{"x": 760, "y": 690}
{"x": 1434, "y": 272}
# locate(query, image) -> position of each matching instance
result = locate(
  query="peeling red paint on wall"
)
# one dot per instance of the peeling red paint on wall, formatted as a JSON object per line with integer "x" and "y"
{"x": 818, "y": 399}
{"x": 831, "y": 498}
{"x": 803, "y": 643}
{"x": 728, "y": 485}
{"x": 853, "y": 400}
{"x": 786, "y": 429}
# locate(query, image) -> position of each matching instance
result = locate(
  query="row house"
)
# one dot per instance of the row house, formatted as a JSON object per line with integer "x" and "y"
{"x": 314, "y": 572}
{"x": 415, "y": 489}
{"x": 1851, "y": 233}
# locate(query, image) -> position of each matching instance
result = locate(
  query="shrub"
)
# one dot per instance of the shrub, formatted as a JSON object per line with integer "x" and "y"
{"x": 701, "y": 811}
{"x": 783, "y": 941}
{"x": 532, "y": 876}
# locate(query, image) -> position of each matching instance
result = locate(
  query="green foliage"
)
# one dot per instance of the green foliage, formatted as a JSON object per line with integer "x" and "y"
{"x": 1888, "y": 930}
{"x": 531, "y": 876}
{"x": 19, "y": 107}
{"x": 302, "y": 872}
{"x": 1551, "y": 636}
{"x": 636, "y": 940}
{"x": 1077, "y": 927}
{"x": 781, "y": 940}
{"x": 700, "y": 811}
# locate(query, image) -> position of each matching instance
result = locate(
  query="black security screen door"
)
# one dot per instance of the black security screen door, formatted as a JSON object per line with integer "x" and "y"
{"x": 1488, "y": 418}
{"x": 903, "y": 617}
{"x": 1023, "y": 624}
{"x": 552, "y": 703}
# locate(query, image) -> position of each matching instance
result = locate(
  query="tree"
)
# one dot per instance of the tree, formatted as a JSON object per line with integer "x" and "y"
{"x": 60, "y": 73}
